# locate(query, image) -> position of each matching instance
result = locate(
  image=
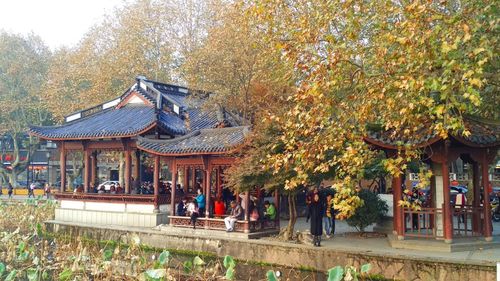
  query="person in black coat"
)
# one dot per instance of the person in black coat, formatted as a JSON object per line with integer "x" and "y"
{"x": 315, "y": 214}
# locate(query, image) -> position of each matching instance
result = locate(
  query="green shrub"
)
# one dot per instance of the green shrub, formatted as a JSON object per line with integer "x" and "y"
{"x": 372, "y": 211}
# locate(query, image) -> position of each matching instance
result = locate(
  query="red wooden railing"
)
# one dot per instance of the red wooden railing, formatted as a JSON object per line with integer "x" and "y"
{"x": 420, "y": 223}
{"x": 115, "y": 198}
{"x": 468, "y": 221}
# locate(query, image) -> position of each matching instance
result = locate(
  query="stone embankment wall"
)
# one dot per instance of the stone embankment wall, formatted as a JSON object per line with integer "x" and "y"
{"x": 294, "y": 255}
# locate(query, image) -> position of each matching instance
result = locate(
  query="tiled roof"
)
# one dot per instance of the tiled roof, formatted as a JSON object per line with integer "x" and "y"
{"x": 129, "y": 120}
{"x": 206, "y": 141}
{"x": 484, "y": 133}
{"x": 119, "y": 119}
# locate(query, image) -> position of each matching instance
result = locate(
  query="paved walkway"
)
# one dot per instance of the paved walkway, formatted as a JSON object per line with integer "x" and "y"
{"x": 381, "y": 246}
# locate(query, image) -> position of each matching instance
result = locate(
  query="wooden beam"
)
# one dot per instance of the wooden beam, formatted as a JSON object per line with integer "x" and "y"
{"x": 73, "y": 145}
{"x": 190, "y": 161}
{"x": 222, "y": 161}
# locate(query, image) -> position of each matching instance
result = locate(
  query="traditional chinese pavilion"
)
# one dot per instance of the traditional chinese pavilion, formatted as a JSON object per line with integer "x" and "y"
{"x": 197, "y": 144}
{"x": 441, "y": 220}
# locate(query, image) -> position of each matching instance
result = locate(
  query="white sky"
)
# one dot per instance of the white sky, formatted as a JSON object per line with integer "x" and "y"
{"x": 57, "y": 22}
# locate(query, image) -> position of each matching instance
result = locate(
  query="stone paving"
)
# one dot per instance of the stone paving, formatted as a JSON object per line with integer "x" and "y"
{"x": 381, "y": 246}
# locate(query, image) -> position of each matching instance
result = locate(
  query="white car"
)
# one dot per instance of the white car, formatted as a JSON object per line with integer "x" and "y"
{"x": 107, "y": 185}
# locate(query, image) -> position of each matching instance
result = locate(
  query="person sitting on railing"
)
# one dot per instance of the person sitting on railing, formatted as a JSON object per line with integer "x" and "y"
{"x": 112, "y": 189}
{"x": 270, "y": 211}
{"x": 119, "y": 188}
{"x": 193, "y": 211}
{"x": 253, "y": 211}
{"x": 236, "y": 214}
{"x": 79, "y": 188}
{"x": 101, "y": 190}
{"x": 179, "y": 190}
{"x": 181, "y": 207}
{"x": 219, "y": 207}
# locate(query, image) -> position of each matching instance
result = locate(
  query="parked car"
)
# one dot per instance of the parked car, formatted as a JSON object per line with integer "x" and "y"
{"x": 107, "y": 185}
{"x": 458, "y": 188}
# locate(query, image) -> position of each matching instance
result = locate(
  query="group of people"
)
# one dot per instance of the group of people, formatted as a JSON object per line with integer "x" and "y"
{"x": 231, "y": 212}
{"x": 31, "y": 190}
{"x": 321, "y": 213}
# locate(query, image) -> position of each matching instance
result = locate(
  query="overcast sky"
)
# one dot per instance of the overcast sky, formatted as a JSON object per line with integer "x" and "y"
{"x": 58, "y": 22}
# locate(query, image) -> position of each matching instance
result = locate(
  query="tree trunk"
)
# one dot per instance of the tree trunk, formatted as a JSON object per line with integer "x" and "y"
{"x": 13, "y": 178}
{"x": 292, "y": 210}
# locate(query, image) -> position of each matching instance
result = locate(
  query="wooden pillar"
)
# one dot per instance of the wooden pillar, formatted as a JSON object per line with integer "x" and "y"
{"x": 173, "y": 189}
{"x": 247, "y": 205}
{"x": 397, "y": 193}
{"x": 207, "y": 189}
{"x": 137, "y": 168}
{"x": 246, "y": 228}
{"x": 486, "y": 200}
{"x": 88, "y": 169}
{"x": 62, "y": 165}
{"x": 193, "y": 180}
{"x": 93, "y": 168}
{"x": 186, "y": 179}
{"x": 219, "y": 182}
{"x": 476, "y": 203}
{"x": 277, "y": 203}
{"x": 156, "y": 182}
{"x": 128, "y": 169}
{"x": 447, "y": 219}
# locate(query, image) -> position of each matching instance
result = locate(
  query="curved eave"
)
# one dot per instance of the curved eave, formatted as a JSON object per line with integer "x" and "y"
{"x": 403, "y": 147}
{"x": 476, "y": 145}
{"x": 132, "y": 134}
{"x": 154, "y": 152}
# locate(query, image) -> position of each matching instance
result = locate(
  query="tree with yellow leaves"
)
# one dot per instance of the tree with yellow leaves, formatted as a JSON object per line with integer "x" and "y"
{"x": 393, "y": 63}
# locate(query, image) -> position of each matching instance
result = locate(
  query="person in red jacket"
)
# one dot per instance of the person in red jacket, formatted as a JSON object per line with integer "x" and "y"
{"x": 220, "y": 207}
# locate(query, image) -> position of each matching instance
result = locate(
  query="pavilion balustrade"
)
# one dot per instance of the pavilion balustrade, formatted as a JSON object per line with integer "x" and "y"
{"x": 464, "y": 224}
{"x": 421, "y": 223}
{"x": 115, "y": 198}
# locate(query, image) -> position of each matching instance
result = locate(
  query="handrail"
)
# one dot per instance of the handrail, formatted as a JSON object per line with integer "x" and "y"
{"x": 114, "y": 198}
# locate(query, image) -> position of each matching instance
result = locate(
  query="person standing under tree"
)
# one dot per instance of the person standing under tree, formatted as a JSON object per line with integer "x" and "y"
{"x": 31, "y": 190}
{"x": 47, "y": 190}
{"x": 315, "y": 214}
{"x": 329, "y": 217}
{"x": 10, "y": 189}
